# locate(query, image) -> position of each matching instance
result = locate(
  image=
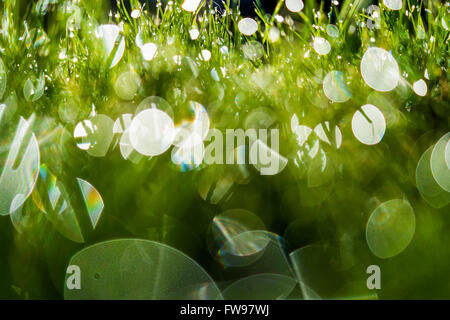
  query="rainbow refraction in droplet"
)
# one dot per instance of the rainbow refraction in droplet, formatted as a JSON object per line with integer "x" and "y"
{"x": 187, "y": 159}
{"x": 92, "y": 200}
{"x": 335, "y": 88}
{"x": 194, "y": 124}
{"x": 53, "y": 199}
{"x": 54, "y": 193}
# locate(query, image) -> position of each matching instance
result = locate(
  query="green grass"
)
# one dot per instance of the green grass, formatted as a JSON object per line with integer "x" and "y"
{"x": 398, "y": 32}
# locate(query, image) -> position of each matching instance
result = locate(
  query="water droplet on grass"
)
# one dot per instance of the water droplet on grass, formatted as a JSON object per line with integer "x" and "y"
{"x": 33, "y": 88}
{"x": 429, "y": 189}
{"x": 205, "y": 55}
{"x": 139, "y": 269}
{"x": 154, "y": 102}
{"x": 190, "y": 5}
{"x": 332, "y": 31}
{"x": 110, "y": 34}
{"x": 127, "y": 85}
{"x": 247, "y": 26}
{"x": 335, "y": 88}
{"x": 253, "y": 50}
{"x": 2, "y": 78}
{"x": 368, "y": 125}
{"x": 57, "y": 207}
{"x": 94, "y": 135}
{"x": 439, "y": 162}
{"x": 390, "y": 228}
{"x": 294, "y": 5}
{"x": 189, "y": 157}
{"x": 393, "y": 4}
{"x": 420, "y": 87}
{"x": 379, "y": 69}
{"x": 149, "y": 51}
{"x": 264, "y": 286}
{"x": 151, "y": 132}
{"x": 194, "y": 33}
{"x": 321, "y": 45}
{"x": 136, "y": 13}
{"x": 194, "y": 123}
{"x": 330, "y": 136}
{"x": 274, "y": 34}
